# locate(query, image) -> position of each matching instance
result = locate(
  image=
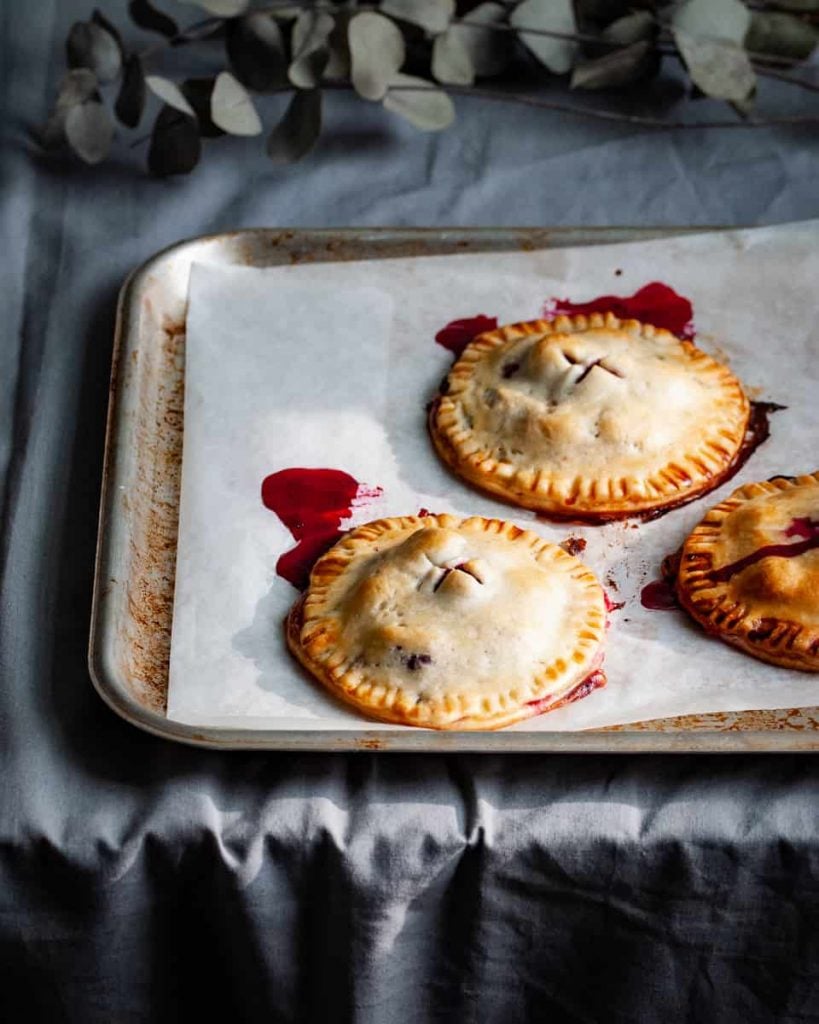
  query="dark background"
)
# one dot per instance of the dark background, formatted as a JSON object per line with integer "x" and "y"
{"x": 144, "y": 882}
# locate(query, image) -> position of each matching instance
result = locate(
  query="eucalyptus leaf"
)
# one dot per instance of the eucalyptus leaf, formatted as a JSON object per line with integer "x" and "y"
{"x": 376, "y": 53}
{"x": 296, "y": 134}
{"x": 709, "y": 35}
{"x": 309, "y": 46}
{"x": 339, "y": 61}
{"x": 420, "y": 102}
{"x": 175, "y": 143}
{"x": 256, "y": 50}
{"x": 93, "y": 47}
{"x": 432, "y": 15}
{"x": 547, "y": 16}
{"x": 722, "y": 70}
{"x": 169, "y": 92}
{"x": 231, "y": 108}
{"x": 710, "y": 20}
{"x": 77, "y": 86}
{"x": 145, "y": 15}
{"x": 99, "y": 19}
{"x": 781, "y": 34}
{"x": 89, "y": 130}
{"x": 617, "y": 68}
{"x": 631, "y": 28}
{"x": 51, "y": 135}
{"x": 198, "y": 92}
{"x": 131, "y": 98}
{"x": 221, "y": 8}
{"x": 489, "y": 50}
{"x": 451, "y": 60}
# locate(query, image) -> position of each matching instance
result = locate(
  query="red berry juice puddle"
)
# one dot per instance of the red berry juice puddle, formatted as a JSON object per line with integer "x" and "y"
{"x": 312, "y": 503}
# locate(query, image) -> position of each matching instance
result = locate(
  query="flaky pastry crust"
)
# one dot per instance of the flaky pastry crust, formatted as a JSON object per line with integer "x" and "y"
{"x": 449, "y": 623}
{"x": 589, "y": 417}
{"x": 749, "y": 572}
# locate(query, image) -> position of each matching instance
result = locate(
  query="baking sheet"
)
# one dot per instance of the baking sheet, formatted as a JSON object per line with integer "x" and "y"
{"x": 268, "y": 349}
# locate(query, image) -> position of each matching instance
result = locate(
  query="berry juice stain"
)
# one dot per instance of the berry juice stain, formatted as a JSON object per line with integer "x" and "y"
{"x": 312, "y": 504}
{"x": 458, "y": 333}
{"x": 654, "y": 303}
{"x": 659, "y": 596}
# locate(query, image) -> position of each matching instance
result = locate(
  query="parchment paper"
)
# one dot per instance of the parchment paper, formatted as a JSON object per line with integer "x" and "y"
{"x": 331, "y": 365}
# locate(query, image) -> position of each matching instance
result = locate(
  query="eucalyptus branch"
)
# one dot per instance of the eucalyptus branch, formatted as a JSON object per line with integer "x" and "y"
{"x": 319, "y": 46}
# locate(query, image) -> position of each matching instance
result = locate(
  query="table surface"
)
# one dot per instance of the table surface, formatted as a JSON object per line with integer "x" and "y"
{"x": 139, "y": 880}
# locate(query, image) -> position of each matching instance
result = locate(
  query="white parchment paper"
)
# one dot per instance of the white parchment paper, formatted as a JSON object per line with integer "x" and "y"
{"x": 330, "y": 365}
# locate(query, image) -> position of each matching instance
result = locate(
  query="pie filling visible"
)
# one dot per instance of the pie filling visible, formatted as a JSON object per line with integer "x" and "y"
{"x": 451, "y": 624}
{"x": 589, "y": 417}
{"x": 749, "y": 572}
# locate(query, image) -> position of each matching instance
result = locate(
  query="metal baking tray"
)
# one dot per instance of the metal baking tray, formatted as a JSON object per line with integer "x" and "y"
{"x": 136, "y": 551}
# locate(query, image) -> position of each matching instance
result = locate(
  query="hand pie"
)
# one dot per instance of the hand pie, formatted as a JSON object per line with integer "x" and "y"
{"x": 589, "y": 417}
{"x": 450, "y": 623}
{"x": 749, "y": 573}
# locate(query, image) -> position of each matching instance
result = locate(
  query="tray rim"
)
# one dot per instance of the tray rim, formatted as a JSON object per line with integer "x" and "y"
{"x": 113, "y": 689}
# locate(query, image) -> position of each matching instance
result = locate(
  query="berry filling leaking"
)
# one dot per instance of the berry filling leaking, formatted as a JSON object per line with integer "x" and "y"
{"x": 595, "y": 680}
{"x": 311, "y": 503}
{"x": 654, "y": 303}
{"x": 458, "y": 333}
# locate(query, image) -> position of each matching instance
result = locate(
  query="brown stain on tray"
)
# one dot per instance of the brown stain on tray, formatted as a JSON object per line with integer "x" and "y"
{"x": 154, "y": 509}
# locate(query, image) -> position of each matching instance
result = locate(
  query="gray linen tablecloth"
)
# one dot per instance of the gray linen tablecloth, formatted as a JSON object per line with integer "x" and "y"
{"x": 142, "y": 881}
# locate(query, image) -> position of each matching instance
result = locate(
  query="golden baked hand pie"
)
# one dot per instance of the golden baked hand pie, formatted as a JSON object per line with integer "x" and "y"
{"x": 749, "y": 572}
{"x": 450, "y": 623}
{"x": 589, "y": 417}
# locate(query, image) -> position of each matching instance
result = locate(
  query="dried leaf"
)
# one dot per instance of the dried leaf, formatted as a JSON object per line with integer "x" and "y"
{"x": 222, "y": 8}
{"x": 782, "y": 34}
{"x": 548, "y": 16}
{"x": 145, "y": 15}
{"x": 425, "y": 106}
{"x": 89, "y": 130}
{"x": 51, "y": 135}
{"x": 339, "y": 61}
{"x": 432, "y": 15}
{"x": 197, "y": 92}
{"x": 99, "y": 19}
{"x": 169, "y": 92}
{"x": 255, "y": 48}
{"x": 710, "y": 20}
{"x": 175, "y": 143}
{"x": 295, "y": 135}
{"x": 93, "y": 47}
{"x": 631, "y": 28}
{"x": 451, "y": 62}
{"x": 131, "y": 99}
{"x": 489, "y": 50}
{"x": 77, "y": 86}
{"x": 709, "y": 35}
{"x": 376, "y": 53}
{"x": 308, "y": 44}
{"x": 721, "y": 70}
{"x": 231, "y": 108}
{"x": 619, "y": 67}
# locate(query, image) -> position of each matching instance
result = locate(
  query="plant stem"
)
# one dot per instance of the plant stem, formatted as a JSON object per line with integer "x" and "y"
{"x": 610, "y": 115}
{"x": 595, "y": 113}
